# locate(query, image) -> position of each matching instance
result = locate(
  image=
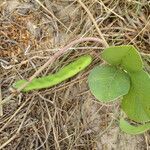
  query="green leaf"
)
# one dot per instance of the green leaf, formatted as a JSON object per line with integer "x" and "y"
{"x": 126, "y": 56}
{"x": 136, "y": 104}
{"x": 130, "y": 129}
{"x": 108, "y": 83}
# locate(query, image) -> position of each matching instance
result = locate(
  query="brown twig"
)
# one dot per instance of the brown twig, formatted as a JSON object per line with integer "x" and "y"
{"x": 1, "y": 106}
{"x": 94, "y": 22}
{"x": 51, "y": 14}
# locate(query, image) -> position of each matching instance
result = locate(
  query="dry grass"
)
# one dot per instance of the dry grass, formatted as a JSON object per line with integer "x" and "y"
{"x": 66, "y": 116}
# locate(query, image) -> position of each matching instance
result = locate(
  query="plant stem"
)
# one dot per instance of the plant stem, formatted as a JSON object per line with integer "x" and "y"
{"x": 51, "y": 60}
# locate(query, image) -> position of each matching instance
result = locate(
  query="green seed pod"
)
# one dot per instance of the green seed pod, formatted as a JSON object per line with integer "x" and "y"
{"x": 53, "y": 79}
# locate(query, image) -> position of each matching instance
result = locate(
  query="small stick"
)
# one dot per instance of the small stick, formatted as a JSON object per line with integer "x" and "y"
{"x": 51, "y": 14}
{"x": 1, "y": 106}
{"x": 8, "y": 141}
{"x": 94, "y": 22}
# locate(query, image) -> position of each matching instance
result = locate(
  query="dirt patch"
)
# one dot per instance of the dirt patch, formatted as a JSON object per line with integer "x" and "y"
{"x": 66, "y": 116}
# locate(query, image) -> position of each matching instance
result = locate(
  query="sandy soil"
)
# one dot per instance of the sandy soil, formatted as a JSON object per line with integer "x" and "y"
{"x": 67, "y": 116}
